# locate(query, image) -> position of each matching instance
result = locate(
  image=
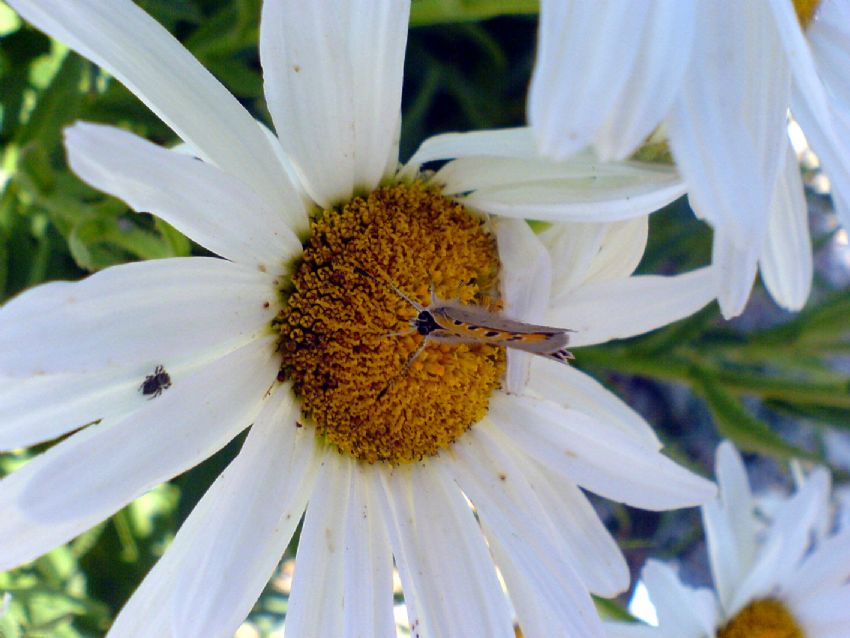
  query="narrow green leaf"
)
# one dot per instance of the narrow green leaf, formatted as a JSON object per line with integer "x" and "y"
{"x": 735, "y": 422}
{"x": 425, "y": 12}
{"x": 827, "y": 415}
{"x": 57, "y": 105}
{"x": 170, "y": 11}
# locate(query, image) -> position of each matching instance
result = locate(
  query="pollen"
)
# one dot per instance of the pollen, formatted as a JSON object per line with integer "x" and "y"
{"x": 805, "y": 11}
{"x": 766, "y": 618}
{"x": 346, "y": 336}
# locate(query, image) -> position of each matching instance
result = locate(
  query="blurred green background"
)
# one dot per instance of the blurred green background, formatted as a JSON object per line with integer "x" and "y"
{"x": 773, "y": 382}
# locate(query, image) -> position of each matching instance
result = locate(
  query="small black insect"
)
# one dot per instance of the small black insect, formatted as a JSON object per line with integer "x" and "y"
{"x": 155, "y": 383}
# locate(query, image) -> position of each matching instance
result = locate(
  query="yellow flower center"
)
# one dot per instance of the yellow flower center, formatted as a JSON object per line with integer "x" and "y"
{"x": 805, "y": 11}
{"x": 346, "y": 335}
{"x": 766, "y": 618}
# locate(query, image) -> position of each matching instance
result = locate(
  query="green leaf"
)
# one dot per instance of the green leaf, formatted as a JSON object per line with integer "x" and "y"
{"x": 237, "y": 75}
{"x": 168, "y": 12}
{"x": 56, "y": 106}
{"x": 611, "y": 610}
{"x": 828, "y": 415}
{"x": 673, "y": 336}
{"x": 425, "y": 12}
{"x": 232, "y": 29}
{"x": 178, "y": 244}
{"x": 735, "y": 422}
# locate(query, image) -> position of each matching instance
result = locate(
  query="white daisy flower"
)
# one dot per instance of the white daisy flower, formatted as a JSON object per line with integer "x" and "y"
{"x": 291, "y": 333}
{"x": 788, "y": 577}
{"x": 720, "y": 77}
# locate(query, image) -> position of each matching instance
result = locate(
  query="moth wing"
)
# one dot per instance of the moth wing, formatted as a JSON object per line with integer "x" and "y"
{"x": 469, "y": 323}
{"x": 485, "y": 318}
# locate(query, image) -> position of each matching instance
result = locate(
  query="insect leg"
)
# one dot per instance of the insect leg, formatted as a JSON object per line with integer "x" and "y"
{"x": 406, "y": 367}
{"x": 400, "y": 334}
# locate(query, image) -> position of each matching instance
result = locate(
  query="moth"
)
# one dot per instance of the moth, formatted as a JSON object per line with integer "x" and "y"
{"x": 452, "y": 322}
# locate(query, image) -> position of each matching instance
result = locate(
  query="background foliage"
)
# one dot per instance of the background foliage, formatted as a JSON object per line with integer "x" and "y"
{"x": 771, "y": 381}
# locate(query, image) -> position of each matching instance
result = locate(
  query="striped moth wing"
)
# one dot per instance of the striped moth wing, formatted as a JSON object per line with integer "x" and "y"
{"x": 470, "y": 324}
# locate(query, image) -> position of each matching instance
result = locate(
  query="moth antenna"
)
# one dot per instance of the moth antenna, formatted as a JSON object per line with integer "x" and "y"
{"x": 433, "y": 290}
{"x": 387, "y": 282}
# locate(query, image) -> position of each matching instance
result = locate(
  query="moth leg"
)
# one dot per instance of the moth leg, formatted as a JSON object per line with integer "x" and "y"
{"x": 406, "y": 367}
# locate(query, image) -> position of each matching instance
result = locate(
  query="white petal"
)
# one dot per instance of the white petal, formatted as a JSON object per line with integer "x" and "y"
{"x": 828, "y": 36}
{"x": 573, "y": 247}
{"x": 38, "y": 409}
{"x": 333, "y": 86}
{"x": 586, "y": 54}
{"x": 474, "y": 172}
{"x": 598, "y": 559}
{"x": 259, "y": 502}
{"x": 639, "y": 630}
{"x": 722, "y": 551}
{"x": 826, "y": 615}
{"x": 730, "y": 525}
{"x": 662, "y": 58}
{"x": 508, "y": 142}
{"x": 621, "y": 251}
{"x": 735, "y": 269}
{"x": 800, "y": 519}
{"x": 532, "y": 584}
{"x": 826, "y": 137}
{"x": 594, "y": 252}
{"x": 216, "y": 210}
{"x": 288, "y": 464}
{"x": 579, "y": 189}
{"x": 41, "y": 408}
{"x": 566, "y": 527}
{"x": 627, "y": 307}
{"x": 448, "y": 578}
{"x": 737, "y": 500}
{"x": 786, "y": 262}
{"x": 787, "y": 541}
{"x": 155, "y": 312}
{"x": 574, "y": 389}
{"x": 537, "y": 562}
{"x": 130, "y": 45}
{"x": 802, "y": 63}
{"x": 343, "y": 576}
{"x": 674, "y": 602}
{"x": 317, "y": 604}
{"x": 368, "y": 563}
{"x": 377, "y": 43}
{"x": 726, "y": 131}
{"x": 149, "y": 612}
{"x": 825, "y": 568}
{"x": 526, "y": 284}
{"x": 597, "y": 455}
{"x": 823, "y": 108}
{"x": 92, "y": 474}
